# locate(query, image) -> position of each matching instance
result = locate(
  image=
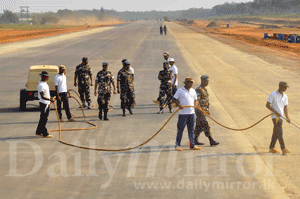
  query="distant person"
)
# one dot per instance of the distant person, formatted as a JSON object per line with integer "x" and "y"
{"x": 277, "y": 103}
{"x": 44, "y": 99}
{"x": 165, "y": 29}
{"x": 105, "y": 80}
{"x": 62, "y": 90}
{"x": 186, "y": 96}
{"x": 174, "y": 70}
{"x": 201, "y": 120}
{"x": 84, "y": 74}
{"x": 165, "y": 77}
{"x": 161, "y": 30}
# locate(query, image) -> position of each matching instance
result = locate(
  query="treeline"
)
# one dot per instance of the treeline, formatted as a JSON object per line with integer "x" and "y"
{"x": 257, "y": 7}
{"x": 254, "y": 8}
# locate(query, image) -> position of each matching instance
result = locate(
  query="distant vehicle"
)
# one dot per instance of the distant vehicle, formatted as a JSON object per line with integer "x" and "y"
{"x": 30, "y": 93}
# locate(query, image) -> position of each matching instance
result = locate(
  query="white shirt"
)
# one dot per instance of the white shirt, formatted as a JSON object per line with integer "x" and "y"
{"x": 186, "y": 98}
{"x": 174, "y": 70}
{"x": 43, "y": 87}
{"x": 61, "y": 82}
{"x": 131, "y": 70}
{"x": 278, "y": 102}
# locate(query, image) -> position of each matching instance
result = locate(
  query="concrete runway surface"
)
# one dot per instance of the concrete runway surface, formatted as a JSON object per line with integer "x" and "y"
{"x": 240, "y": 85}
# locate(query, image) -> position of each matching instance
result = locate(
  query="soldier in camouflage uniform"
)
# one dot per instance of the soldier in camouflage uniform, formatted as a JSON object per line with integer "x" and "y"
{"x": 201, "y": 120}
{"x": 165, "y": 76}
{"x": 104, "y": 79}
{"x": 132, "y": 72}
{"x": 84, "y": 73}
{"x": 125, "y": 87}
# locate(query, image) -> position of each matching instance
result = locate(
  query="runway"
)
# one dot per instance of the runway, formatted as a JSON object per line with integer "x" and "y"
{"x": 44, "y": 168}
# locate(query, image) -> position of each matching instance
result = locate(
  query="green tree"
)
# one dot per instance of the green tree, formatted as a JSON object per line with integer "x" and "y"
{"x": 9, "y": 17}
{"x": 49, "y": 19}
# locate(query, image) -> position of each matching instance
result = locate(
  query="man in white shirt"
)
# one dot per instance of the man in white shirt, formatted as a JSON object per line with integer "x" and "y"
{"x": 44, "y": 100}
{"x": 174, "y": 70}
{"x": 277, "y": 103}
{"x": 186, "y": 96}
{"x": 60, "y": 82}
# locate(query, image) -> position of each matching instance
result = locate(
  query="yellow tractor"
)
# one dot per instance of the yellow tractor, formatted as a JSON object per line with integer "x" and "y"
{"x": 30, "y": 93}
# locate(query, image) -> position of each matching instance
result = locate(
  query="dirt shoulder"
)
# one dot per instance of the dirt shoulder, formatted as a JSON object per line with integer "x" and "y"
{"x": 13, "y": 35}
{"x": 249, "y": 38}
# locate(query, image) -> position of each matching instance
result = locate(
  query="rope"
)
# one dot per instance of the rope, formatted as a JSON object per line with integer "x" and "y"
{"x": 130, "y": 148}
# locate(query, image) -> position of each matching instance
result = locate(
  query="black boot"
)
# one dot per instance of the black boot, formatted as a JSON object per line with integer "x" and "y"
{"x": 212, "y": 142}
{"x": 124, "y": 113}
{"x": 100, "y": 114}
{"x": 105, "y": 114}
{"x": 197, "y": 142}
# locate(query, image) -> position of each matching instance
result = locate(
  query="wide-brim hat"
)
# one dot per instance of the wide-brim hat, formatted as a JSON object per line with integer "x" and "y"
{"x": 62, "y": 67}
{"x": 283, "y": 83}
{"x": 165, "y": 53}
{"x": 171, "y": 60}
{"x": 44, "y": 74}
{"x": 188, "y": 79}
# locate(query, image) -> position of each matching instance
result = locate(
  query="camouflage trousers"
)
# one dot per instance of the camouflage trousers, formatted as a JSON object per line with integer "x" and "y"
{"x": 127, "y": 97}
{"x": 202, "y": 125}
{"x": 84, "y": 92}
{"x": 103, "y": 100}
{"x": 162, "y": 100}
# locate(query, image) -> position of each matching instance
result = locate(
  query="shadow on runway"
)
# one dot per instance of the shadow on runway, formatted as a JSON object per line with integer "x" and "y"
{"x": 17, "y": 109}
{"x": 146, "y": 149}
{"x": 20, "y": 138}
{"x": 231, "y": 154}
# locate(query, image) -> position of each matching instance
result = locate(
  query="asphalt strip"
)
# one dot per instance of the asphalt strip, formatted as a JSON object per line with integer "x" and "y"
{"x": 21, "y": 45}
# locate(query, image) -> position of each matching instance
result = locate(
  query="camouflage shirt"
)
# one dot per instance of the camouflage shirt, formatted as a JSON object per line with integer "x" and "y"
{"x": 105, "y": 80}
{"x": 166, "y": 79}
{"x": 83, "y": 72}
{"x": 125, "y": 78}
{"x": 203, "y": 98}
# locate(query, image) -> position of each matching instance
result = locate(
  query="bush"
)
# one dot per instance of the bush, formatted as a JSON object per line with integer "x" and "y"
{"x": 9, "y": 17}
{"x": 49, "y": 19}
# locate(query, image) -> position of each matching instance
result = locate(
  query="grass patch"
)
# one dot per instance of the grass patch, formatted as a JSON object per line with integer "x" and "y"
{"x": 33, "y": 27}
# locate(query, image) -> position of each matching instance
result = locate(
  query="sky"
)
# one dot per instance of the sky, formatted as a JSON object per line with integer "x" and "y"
{"x": 119, "y": 5}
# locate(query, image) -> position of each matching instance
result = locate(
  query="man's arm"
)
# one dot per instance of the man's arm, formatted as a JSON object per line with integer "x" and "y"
{"x": 273, "y": 110}
{"x": 132, "y": 77}
{"x": 196, "y": 104}
{"x": 58, "y": 97}
{"x": 175, "y": 80}
{"x": 177, "y": 103}
{"x": 118, "y": 86}
{"x": 91, "y": 76}
{"x": 96, "y": 85}
{"x": 287, "y": 114}
{"x": 45, "y": 98}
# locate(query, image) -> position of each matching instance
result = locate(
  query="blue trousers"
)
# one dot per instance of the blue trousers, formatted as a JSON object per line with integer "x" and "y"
{"x": 184, "y": 120}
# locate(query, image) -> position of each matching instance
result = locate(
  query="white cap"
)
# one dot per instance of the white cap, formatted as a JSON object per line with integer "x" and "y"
{"x": 171, "y": 59}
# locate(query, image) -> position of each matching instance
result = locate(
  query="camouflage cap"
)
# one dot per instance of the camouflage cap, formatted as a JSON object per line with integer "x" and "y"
{"x": 204, "y": 77}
